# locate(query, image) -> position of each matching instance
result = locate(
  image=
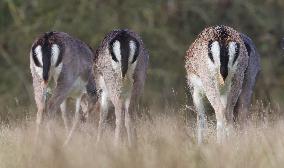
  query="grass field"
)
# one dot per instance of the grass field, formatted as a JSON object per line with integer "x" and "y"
{"x": 167, "y": 28}
{"x": 164, "y": 141}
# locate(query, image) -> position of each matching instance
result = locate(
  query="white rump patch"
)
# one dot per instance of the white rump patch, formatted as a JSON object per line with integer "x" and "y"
{"x": 57, "y": 71}
{"x": 116, "y": 50}
{"x": 215, "y": 49}
{"x": 54, "y": 54}
{"x": 232, "y": 52}
{"x": 132, "y": 47}
{"x": 55, "y": 51}
{"x": 117, "y": 53}
{"x": 131, "y": 67}
{"x": 38, "y": 54}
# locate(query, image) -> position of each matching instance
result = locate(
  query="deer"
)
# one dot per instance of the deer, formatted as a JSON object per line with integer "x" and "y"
{"x": 222, "y": 66}
{"x": 61, "y": 66}
{"x": 120, "y": 68}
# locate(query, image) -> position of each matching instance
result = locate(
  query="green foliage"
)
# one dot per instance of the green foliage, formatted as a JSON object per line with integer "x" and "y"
{"x": 167, "y": 27}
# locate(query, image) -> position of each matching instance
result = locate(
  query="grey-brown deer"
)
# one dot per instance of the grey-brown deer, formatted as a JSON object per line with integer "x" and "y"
{"x": 58, "y": 57}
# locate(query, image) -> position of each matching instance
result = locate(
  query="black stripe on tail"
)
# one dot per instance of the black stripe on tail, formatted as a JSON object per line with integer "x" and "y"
{"x": 224, "y": 57}
{"x": 46, "y": 55}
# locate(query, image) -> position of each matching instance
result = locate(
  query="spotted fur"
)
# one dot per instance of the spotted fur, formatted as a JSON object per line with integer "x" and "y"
{"x": 221, "y": 81}
{"x": 121, "y": 80}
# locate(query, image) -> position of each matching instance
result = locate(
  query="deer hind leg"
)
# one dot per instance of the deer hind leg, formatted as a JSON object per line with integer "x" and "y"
{"x": 252, "y": 71}
{"x": 60, "y": 94}
{"x": 221, "y": 124}
{"x": 40, "y": 98}
{"x": 131, "y": 104}
{"x": 198, "y": 100}
{"x": 220, "y": 114}
{"x": 39, "y": 116}
{"x": 243, "y": 103}
{"x": 85, "y": 106}
{"x": 119, "y": 122}
{"x": 131, "y": 109}
{"x": 129, "y": 125}
{"x": 63, "y": 108}
{"x": 75, "y": 120}
{"x": 104, "y": 103}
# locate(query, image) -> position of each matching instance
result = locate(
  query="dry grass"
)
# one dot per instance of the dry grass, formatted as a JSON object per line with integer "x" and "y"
{"x": 164, "y": 142}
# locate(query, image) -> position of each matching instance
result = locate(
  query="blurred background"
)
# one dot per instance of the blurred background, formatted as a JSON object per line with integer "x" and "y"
{"x": 167, "y": 27}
